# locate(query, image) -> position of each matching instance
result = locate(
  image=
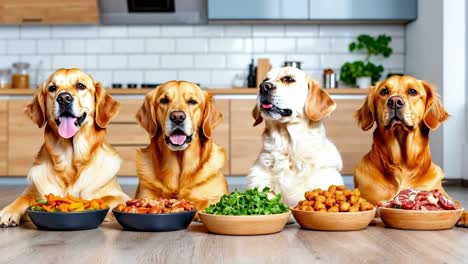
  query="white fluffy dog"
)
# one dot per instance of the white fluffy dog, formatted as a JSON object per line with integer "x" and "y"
{"x": 296, "y": 155}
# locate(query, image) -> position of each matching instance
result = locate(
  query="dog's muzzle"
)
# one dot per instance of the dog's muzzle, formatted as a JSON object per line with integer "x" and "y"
{"x": 178, "y": 136}
{"x": 395, "y": 106}
{"x": 266, "y": 100}
{"x": 68, "y": 123}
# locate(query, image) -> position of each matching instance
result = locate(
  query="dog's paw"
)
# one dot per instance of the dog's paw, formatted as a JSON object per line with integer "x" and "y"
{"x": 9, "y": 219}
{"x": 463, "y": 221}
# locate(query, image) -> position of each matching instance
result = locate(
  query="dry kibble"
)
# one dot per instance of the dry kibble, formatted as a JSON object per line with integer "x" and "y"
{"x": 334, "y": 199}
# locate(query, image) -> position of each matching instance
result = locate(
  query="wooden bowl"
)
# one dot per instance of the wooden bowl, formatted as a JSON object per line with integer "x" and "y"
{"x": 419, "y": 220}
{"x": 331, "y": 221}
{"x": 244, "y": 225}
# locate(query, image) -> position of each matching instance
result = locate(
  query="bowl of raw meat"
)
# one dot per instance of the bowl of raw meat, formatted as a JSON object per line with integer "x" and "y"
{"x": 155, "y": 215}
{"x": 420, "y": 210}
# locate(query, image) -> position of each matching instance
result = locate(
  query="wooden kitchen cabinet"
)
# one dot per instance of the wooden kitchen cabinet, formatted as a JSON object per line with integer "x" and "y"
{"x": 3, "y": 138}
{"x": 342, "y": 129}
{"x": 24, "y": 139}
{"x": 49, "y": 12}
{"x": 246, "y": 140}
{"x": 222, "y": 133}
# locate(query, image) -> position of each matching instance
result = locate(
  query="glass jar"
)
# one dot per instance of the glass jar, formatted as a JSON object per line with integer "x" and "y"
{"x": 20, "y": 77}
{"x": 5, "y": 78}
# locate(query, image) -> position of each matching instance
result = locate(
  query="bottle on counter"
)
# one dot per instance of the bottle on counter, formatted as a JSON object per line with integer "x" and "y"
{"x": 329, "y": 79}
{"x": 20, "y": 77}
{"x": 5, "y": 78}
{"x": 251, "y": 78}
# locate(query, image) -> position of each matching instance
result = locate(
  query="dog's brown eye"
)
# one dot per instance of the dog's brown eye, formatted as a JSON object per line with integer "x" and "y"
{"x": 412, "y": 92}
{"x": 287, "y": 79}
{"x": 384, "y": 91}
{"x": 80, "y": 86}
{"x": 164, "y": 100}
{"x": 192, "y": 102}
{"x": 52, "y": 88}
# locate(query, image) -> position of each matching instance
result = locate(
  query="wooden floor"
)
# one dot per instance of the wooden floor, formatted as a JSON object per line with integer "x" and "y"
{"x": 110, "y": 244}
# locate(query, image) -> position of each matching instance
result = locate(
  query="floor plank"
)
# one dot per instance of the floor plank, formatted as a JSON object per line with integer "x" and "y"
{"x": 110, "y": 244}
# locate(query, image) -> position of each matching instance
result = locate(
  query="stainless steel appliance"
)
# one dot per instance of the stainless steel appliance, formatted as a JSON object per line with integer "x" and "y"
{"x": 127, "y": 12}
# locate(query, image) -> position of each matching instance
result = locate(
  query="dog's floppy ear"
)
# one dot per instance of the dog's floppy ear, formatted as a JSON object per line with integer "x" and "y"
{"x": 319, "y": 103}
{"x": 106, "y": 107}
{"x": 435, "y": 112}
{"x": 36, "y": 109}
{"x": 211, "y": 116}
{"x": 257, "y": 115}
{"x": 146, "y": 116}
{"x": 366, "y": 114}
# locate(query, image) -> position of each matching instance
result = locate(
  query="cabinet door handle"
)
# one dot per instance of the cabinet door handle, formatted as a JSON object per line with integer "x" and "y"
{"x": 32, "y": 20}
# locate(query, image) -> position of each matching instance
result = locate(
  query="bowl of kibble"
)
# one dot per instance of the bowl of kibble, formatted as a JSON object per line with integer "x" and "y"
{"x": 335, "y": 209}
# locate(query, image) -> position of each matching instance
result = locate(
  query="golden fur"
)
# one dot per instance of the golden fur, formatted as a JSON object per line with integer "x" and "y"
{"x": 400, "y": 155}
{"x": 192, "y": 173}
{"x": 84, "y": 165}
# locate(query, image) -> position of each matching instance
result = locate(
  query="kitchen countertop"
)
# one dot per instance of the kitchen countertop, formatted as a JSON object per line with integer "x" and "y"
{"x": 215, "y": 91}
{"x": 110, "y": 244}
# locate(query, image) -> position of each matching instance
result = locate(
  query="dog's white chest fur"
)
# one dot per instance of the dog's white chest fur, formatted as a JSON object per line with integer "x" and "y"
{"x": 296, "y": 158}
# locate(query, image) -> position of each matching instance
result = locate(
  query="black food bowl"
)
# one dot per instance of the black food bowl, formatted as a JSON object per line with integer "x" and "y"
{"x": 72, "y": 221}
{"x": 154, "y": 222}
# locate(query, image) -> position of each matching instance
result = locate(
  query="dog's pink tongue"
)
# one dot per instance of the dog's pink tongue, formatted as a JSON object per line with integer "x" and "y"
{"x": 267, "y": 106}
{"x": 177, "y": 139}
{"x": 67, "y": 127}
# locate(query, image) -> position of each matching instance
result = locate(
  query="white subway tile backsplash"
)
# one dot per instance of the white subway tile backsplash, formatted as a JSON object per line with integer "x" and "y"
{"x": 268, "y": 30}
{"x": 112, "y": 31}
{"x": 9, "y": 32}
{"x": 209, "y": 54}
{"x": 74, "y": 46}
{"x": 238, "y": 31}
{"x": 308, "y": 61}
{"x": 159, "y": 76}
{"x": 177, "y": 31}
{"x": 191, "y": 45}
{"x": 144, "y": 31}
{"x": 238, "y": 61}
{"x": 112, "y": 62}
{"x": 302, "y": 30}
{"x": 35, "y": 32}
{"x": 103, "y": 77}
{"x": 74, "y": 32}
{"x": 201, "y": 77}
{"x": 280, "y": 44}
{"x": 143, "y": 62}
{"x": 98, "y": 46}
{"x": 8, "y": 60}
{"x": 128, "y": 45}
{"x": 127, "y": 76}
{"x": 160, "y": 45}
{"x": 68, "y": 61}
{"x": 313, "y": 45}
{"x": 176, "y": 61}
{"x": 353, "y": 30}
{"x": 211, "y": 61}
{"x": 21, "y": 47}
{"x": 226, "y": 45}
{"x": 49, "y": 46}
{"x": 208, "y": 31}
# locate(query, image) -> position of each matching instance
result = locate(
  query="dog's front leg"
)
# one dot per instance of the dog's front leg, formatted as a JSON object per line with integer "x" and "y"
{"x": 11, "y": 214}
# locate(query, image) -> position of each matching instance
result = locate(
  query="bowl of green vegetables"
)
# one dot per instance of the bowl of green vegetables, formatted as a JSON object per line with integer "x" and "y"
{"x": 252, "y": 212}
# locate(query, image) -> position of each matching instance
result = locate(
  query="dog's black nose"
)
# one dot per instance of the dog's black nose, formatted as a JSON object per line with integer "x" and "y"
{"x": 266, "y": 87}
{"x": 64, "y": 98}
{"x": 177, "y": 116}
{"x": 395, "y": 102}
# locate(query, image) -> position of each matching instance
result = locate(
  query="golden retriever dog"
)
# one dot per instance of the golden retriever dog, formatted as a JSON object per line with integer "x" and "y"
{"x": 181, "y": 161}
{"x": 296, "y": 154}
{"x": 75, "y": 158}
{"x": 404, "y": 111}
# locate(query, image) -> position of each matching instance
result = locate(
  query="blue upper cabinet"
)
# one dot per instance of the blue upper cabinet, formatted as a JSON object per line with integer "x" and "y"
{"x": 313, "y": 11}
{"x": 258, "y": 9}
{"x": 363, "y": 10}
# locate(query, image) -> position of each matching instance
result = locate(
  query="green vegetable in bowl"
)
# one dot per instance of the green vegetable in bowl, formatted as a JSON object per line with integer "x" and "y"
{"x": 250, "y": 202}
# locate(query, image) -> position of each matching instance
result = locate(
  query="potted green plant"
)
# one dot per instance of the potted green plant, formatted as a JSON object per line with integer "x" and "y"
{"x": 364, "y": 73}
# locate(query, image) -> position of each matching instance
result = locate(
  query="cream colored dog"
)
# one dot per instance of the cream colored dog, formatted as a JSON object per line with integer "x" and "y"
{"x": 296, "y": 155}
